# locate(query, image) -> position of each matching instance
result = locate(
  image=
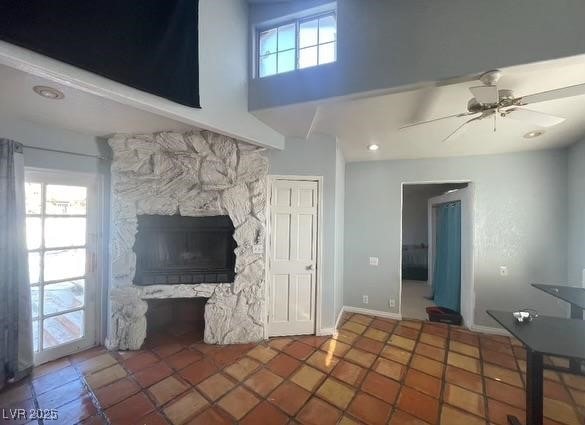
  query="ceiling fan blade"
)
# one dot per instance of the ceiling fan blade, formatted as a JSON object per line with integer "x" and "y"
{"x": 425, "y": 98}
{"x": 486, "y": 95}
{"x": 460, "y": 131}
{"x": 576, "y": 90}
{"x": 533, "y": 117}
{"x": 464, "y": 114}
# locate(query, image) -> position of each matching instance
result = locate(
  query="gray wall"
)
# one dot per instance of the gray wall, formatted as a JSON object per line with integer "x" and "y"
{"x": 520, "y": 205}
{"x": 393, "y": 43}
{"x": 316, "y": 157}
{"x": 576, "y": 182}
{"x": 40, "y": 135}
{"x": 339, "y": 227}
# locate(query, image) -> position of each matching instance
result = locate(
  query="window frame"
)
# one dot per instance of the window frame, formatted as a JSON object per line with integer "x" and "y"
{"x": 297, "y": 49}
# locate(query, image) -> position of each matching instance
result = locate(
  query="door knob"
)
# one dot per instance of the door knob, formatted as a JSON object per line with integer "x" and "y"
{"x": 309, "y": 267}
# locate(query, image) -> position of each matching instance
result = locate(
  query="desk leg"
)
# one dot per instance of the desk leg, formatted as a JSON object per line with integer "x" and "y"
{"x": 576, "y": 313}
{"x": 534, "y": 390}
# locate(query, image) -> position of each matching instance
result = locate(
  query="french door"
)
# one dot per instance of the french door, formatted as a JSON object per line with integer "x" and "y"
{"x": 61, "y": 232}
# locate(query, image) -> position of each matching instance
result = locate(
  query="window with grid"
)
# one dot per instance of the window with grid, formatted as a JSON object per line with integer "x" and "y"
{"x": 56, "y": 238}
{"x": 302, "y": 43}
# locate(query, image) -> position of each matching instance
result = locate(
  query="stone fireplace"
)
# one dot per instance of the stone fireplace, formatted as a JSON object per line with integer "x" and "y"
{"x": 164, "y": 180}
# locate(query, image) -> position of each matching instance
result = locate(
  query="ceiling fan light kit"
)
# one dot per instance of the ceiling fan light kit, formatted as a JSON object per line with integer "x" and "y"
{"x": 489, "y": 101}
{"x": 534, "y": 134}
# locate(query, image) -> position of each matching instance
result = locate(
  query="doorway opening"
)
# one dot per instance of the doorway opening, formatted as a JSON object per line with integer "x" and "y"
{"x": 433, "y": 267}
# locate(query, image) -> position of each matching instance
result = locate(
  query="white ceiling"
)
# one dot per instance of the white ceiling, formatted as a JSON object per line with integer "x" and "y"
{"x": 376, "y": 119}
{"x": 79, "y": 111}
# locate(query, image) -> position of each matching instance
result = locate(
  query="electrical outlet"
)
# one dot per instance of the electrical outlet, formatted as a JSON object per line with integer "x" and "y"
{"x": 503, "y": 271}
{"x": 374, "y": 261}
{"x": 391, "y": 302}
{"x": 365, "y": 299}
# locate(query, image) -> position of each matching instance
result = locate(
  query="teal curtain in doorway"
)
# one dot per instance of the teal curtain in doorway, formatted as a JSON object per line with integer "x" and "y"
{"x": 447, "y": 267}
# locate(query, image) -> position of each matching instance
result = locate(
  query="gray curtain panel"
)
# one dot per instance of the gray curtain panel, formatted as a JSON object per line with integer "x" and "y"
{"x": 16, "y": 343}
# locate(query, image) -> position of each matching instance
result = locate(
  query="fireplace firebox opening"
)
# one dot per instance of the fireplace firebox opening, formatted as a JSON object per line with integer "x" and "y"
{"x": 173, "y": 250}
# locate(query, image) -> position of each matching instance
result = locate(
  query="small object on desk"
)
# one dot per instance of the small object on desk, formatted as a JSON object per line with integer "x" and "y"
{"x": 524, "y": 316}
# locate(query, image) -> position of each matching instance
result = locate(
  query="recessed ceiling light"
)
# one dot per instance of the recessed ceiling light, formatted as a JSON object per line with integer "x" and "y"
{"x": 373, "y": 147}
{"x": 48, "y": 92}
{"x": 533, "y": 134}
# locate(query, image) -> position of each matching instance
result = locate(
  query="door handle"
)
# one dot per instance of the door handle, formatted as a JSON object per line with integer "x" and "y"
{"x": 309, "y": 267}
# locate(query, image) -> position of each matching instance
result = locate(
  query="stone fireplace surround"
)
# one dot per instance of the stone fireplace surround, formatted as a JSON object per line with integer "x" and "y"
{"x": 191, "y": 174}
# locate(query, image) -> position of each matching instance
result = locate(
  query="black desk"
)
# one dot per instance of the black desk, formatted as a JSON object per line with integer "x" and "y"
{"x": 542, "y": 336}
{"x": 575, "y": 296}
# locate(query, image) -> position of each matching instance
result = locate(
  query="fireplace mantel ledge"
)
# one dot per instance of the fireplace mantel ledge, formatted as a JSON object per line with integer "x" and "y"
{"x": 200, "y": 290}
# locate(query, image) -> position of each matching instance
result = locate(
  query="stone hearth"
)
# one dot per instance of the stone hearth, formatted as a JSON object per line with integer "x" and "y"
{"x": 191, "y": 174}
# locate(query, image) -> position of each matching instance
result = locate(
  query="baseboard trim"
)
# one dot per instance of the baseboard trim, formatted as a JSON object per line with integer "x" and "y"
{"x": 386, "y": 314}
{"x": 489, "y": 330}
{"x": 325, "y": 332}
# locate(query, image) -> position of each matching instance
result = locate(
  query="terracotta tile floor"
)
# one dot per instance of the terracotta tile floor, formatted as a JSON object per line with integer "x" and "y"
{"x": 375, "y": 371}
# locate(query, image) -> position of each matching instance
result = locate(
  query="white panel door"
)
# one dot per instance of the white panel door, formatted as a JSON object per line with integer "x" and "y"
{"x": 293, "y": 257}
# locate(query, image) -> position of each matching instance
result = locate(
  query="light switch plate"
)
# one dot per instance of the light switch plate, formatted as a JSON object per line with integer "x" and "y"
{"x": 258, "y": 249}
{"x": 374, "y": 261}
{"x": 503, "y": 271}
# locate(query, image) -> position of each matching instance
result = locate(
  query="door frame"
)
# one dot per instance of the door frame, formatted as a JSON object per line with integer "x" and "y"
{"x": 100, "y": 275}
{"x": 468, "y": 246}
{"x": 270, "y": 179}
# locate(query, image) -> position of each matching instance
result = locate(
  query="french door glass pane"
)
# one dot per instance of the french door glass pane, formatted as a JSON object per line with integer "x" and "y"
{"x": 64, "y": 264}
{"x": 36, "y": 335}
{"x": 65, "y": 200}
{"x": 58, "y": 330}
{"x": 308, "y": 57}
{"x": 286, "y": 37}
{"x": 308, "y": 33}
{"x": 33, "y": 232}
{"x": 64, "y": 231}
{"x": 267, "y": 65}
{"x": 34, "y": 299}
{"x": 326, "y": 53}
{"x": 327, "y": 29}
{"x": 33, "y": 198}
{"x": 286, "y": 61}
{"x": 62, "y": 296}
{"x": 34, "y": 267}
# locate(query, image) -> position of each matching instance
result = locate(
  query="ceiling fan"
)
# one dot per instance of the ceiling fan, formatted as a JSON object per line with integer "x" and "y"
{"x": 489, "y": 101}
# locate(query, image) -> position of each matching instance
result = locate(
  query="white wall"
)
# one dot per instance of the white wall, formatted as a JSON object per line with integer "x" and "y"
{"x": 223, "y": 77}
{"x": 576, "y": 170}
{"x": 519, "y": 221}
{"x": 317, "y": 157}
{"x": 393, "y": 43}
